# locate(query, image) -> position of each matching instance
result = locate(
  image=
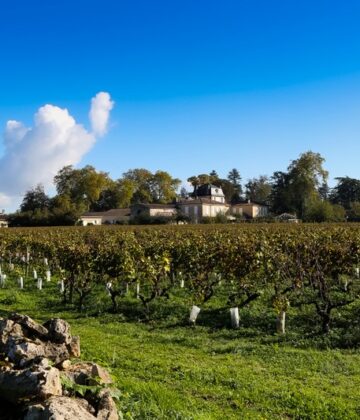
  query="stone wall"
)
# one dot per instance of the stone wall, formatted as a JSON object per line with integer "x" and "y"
{"x": 38, "y": 380}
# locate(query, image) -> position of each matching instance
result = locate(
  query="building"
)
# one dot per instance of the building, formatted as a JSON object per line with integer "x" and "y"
{"x": 249, "y": 210}
{"x": 211, "y": 192}
{"x": 198, "y": 208}
{"x": 206, "y": 201}
{"x": 153, "y": 210}
{"x": 3, "y": 221}
{"x": 287, "y": 217}
{"x": 109, "y": 217}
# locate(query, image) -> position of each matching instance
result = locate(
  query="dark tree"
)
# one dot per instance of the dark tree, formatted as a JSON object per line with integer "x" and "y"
{"x": 346, "y": 191}
{"x": 258, "y": 189}
{"x": 35, "y": 199}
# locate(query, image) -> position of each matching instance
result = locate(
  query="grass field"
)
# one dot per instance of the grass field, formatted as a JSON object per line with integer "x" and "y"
{"x": 167, "y": 370}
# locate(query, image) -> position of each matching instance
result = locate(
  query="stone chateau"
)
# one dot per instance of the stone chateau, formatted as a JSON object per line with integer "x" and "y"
{"x": 207, "y": 201}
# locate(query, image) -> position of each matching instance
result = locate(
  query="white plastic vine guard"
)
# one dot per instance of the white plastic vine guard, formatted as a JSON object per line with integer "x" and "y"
{"x": 235, "y": 318}
{"x": 195, "y": 310}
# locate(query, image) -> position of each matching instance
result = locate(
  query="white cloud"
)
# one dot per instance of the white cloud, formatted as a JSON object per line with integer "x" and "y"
{"x": 34, "y": 155}
{"x": 101, "y": 105}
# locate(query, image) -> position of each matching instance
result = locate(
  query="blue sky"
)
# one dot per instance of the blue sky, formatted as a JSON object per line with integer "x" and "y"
{"x": 198, "y": 85}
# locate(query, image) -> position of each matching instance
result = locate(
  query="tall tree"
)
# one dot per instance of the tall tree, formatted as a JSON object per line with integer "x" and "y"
{"x": 118, "y": 195}
{"x": 213, "y": 176}
{"x": 83, "y": 186}
{"x": 64, "y": 211}
{"x": 258, "y": 189}
{"x": 141, "y": 179}
{"x": 346, "y": 191}
{"x": 280, "y": 200}
{"x": 35, "y": 199}
{"x": 235, "y": 179}
{"x": 306, "y": 175}
{"x": 163, "y": 187}
{"x": 159, "y": 187}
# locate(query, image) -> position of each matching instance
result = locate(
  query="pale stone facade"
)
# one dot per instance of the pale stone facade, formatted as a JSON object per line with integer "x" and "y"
{"x": 198, "y": 208}
{"x": 206, "y": 201}
{"x": 112, "y": 216}
{"x": 250, "y": 210}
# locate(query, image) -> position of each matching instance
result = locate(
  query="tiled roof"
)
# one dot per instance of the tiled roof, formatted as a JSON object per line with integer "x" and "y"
{"x": 208, "y": 190}
{"x": 111, "y": 213}
{"x": 252, "y": 203}
{"x": 117, "y": 212}
{"x": 94, "y": 214}
{"x": 202, "y": 201}
{"x": 156, "y": 206}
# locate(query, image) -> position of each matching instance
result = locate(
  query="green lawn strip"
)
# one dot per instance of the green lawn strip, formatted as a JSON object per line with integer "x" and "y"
{"x": 268, "y": 379}
{"x": 177, "y": 372}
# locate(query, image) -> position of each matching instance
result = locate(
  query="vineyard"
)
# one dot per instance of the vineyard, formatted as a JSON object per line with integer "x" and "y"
{"x": 283, "y": 266}
{"x": 207, "y": 306}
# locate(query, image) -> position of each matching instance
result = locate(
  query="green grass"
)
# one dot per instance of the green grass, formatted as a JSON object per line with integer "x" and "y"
{"x": 167, "y": 370}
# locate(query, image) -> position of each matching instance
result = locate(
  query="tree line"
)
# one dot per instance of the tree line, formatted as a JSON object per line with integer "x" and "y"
{"x": 302, "y": 190}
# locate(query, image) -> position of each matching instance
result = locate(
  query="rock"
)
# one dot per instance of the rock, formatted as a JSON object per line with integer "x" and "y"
{"x": 31, "y": 327}
{"x": 23, "y": 351}
{"x": 29, "y": 382}
{"x": 44, "y": 363}
{"x": 101, "y": 374}
{"x": 74, "y": 346}
{"x": 65, "y": 365}
{"x": 61, "y": 408}
{"x": 20, "y": 350}
{"x": 8, "y": 328}
{"x": 59, "y": 331}
{"x": 57, "y": 353}
{"x": 51, "y": 385}
{"x": 88, "y": 374}
{"x": 16, "y": 385}
{"x": 107, "y": 408}
{"x": 79, "y": 373}
{"x": 34, "y": 412}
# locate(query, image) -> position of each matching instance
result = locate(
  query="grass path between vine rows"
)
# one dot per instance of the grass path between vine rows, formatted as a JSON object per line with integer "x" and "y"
{"x": 167, "y": 370}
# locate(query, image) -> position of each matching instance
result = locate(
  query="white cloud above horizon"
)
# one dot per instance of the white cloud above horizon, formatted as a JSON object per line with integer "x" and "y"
{"x": 35, "y": 154}
{"x": 101, "y": 105}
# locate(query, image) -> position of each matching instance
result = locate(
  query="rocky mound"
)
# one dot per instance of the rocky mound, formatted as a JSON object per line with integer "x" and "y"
{"x": 38, "y": 381}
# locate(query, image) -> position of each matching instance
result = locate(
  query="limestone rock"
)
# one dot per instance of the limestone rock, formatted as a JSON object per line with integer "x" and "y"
{"x": 23, "y": 351}
{"x": 60, "y": 408}
{"x": 88, "y": 374}
{"x": 107, "y": 409}
{"x": 32, "y": 327}
{"x": 102, "y": 374}
{"x": 16, "y": 385}
{"x": 74, "y": 346}
{"x": 65, "y": 365}
{"x": 59, "y": 331}
{"x": 28, "y": 382}
{"x": 8, "y": 328}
